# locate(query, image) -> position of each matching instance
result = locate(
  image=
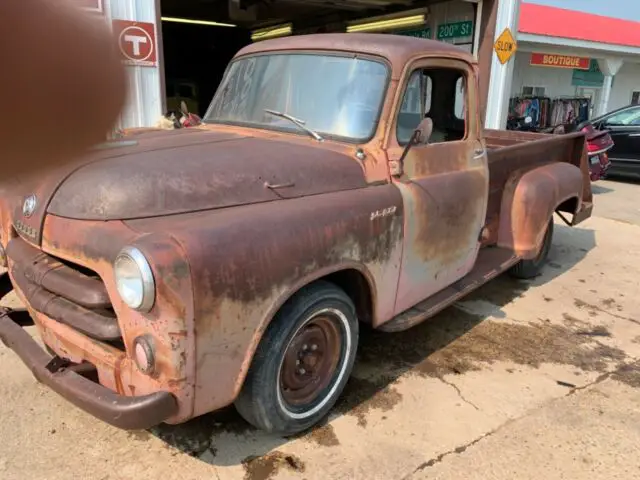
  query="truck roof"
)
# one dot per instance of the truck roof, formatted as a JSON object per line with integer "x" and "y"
{"x": 397, "y": 49}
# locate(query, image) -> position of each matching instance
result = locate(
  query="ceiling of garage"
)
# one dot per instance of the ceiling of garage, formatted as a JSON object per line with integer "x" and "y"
{"x": 305, "y": 13}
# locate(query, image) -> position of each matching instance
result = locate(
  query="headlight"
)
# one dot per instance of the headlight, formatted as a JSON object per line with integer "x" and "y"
{"x": 134, "y": 279}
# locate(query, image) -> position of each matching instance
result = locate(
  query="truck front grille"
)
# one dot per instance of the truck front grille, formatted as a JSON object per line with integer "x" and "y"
{"x": 63, "y": 291}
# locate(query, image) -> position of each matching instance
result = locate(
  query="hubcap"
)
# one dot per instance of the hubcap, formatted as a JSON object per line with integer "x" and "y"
{"x": 310, "y": 361}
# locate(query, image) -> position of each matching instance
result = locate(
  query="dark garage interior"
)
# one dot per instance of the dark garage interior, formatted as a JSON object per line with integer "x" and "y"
{"x": 196, "y": 55}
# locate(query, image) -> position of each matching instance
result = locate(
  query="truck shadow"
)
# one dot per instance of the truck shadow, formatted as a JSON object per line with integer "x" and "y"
{"x": 433, "y": 349}
{"x": 599, "y": 189}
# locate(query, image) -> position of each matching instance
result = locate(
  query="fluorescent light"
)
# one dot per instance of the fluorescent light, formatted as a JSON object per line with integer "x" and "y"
{"x": 411, "y": 21}
{"x": 196, "y": 22}
{"x": 272, "y": 32}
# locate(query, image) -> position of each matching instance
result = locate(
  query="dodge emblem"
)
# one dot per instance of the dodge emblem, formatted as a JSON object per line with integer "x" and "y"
{"x": 29, "y": 205}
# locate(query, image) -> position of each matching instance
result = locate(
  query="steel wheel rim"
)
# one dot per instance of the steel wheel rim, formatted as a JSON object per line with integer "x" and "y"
{"x": 302, "y": 404}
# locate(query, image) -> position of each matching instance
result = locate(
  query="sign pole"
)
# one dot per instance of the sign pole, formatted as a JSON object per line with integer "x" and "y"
{"x": 501, "y": 78}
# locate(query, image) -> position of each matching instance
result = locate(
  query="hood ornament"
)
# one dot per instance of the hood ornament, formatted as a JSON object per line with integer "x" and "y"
{"x": 29, "y": 205}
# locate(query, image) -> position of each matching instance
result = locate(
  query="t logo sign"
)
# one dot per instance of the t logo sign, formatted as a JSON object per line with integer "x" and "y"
{"x": 137, "y": 42}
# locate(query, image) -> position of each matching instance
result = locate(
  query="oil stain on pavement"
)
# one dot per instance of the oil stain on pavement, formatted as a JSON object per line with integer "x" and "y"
{"x": 266, "y": 466}
{"x": 451, "y": 343}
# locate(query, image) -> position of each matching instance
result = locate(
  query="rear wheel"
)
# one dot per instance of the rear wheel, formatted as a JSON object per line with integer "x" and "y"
{"x": 526, "y": 269}
{"x": 303, "y": 361}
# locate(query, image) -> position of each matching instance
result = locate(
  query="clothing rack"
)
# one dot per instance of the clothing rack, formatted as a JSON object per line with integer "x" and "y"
{"x": 546, "y": 112}
{"x": 569, "y": 109}
{"x": 531, "y": 106}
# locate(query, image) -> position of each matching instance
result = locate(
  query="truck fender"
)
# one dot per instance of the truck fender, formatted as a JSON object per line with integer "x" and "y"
{"x": 358, "y": 293}
{"x": 529, "y": 200}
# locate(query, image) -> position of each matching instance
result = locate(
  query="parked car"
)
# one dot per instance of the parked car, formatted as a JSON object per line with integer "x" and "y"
{"x": 176, "y": 272}
{"x": 623, "y": 125}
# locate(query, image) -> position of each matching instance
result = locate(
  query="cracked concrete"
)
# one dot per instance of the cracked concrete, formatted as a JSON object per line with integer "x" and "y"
{"x": 421, "y": 471}
{"x": 518, "y": 381}
{"x": 457, "y": 389}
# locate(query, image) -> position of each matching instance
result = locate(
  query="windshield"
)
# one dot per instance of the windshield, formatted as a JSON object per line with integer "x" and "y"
{"x": 334, "y": 96}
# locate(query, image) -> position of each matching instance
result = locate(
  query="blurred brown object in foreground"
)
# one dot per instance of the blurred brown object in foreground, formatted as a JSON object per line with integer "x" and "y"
{"x": 62, "y": 83}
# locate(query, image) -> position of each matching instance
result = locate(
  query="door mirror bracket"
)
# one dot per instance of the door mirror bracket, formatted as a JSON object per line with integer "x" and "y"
{"x": 420, "y": 136}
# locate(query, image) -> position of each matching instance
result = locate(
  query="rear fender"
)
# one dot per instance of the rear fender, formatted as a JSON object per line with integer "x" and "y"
{"x": 528, "y": 202}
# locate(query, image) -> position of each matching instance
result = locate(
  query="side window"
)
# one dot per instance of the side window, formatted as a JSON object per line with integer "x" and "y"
{"x": 412, "y": 110}
{"x": 437, "y": 93}
{"x": 624, "y": 118}
{"x": 459, "y": 109}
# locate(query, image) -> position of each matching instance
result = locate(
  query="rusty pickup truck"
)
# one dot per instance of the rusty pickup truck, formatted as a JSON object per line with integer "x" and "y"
{"x": 337, "y": 180}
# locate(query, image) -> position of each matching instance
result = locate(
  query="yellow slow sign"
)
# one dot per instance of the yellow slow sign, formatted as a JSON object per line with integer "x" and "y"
{"x": 505, "y": 46}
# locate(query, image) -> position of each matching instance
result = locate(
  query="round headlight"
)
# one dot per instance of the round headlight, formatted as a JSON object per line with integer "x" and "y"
{"x": 134, "y": 279}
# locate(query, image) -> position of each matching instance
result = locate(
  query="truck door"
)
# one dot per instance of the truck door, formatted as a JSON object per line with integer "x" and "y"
{"x": 445, "y": 183}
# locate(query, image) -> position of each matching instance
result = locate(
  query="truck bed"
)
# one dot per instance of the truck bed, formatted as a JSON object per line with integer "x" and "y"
{"x": 510, "y": 151}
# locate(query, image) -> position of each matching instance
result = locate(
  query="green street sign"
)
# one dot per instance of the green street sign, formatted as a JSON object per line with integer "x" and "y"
{"x": 455, "y": 30}
{"x": 418, "y": 33}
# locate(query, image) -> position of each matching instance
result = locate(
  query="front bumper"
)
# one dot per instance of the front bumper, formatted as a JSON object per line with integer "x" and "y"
{"x": 130, "y": 413}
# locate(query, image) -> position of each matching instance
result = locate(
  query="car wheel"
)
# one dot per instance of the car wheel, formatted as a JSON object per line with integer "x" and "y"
{"x": 526, "y": 269}
{"x": 303, "y": 361}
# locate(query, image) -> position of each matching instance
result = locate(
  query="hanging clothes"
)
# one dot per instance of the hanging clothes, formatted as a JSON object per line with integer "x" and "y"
{"x": 567, "y": 110}
{"x": 546, "y": 113}
{"x": 535, "y": 107}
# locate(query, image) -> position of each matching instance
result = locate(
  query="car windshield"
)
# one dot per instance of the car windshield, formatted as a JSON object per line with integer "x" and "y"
{"x": 334, "y": 96}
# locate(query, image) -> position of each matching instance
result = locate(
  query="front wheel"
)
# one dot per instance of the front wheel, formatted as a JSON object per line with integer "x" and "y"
{"x": 303, "y": 361}
{"x": 526, "y": 269}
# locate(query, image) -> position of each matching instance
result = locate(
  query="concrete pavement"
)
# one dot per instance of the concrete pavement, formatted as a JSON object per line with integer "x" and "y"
{"x": 520, "y": 380}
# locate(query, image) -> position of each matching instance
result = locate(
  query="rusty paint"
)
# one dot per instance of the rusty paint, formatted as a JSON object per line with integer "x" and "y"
{"x": 227, "y": 252}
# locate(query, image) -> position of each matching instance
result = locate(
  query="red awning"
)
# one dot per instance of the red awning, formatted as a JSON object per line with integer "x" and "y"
{"x": 559, "y": 22}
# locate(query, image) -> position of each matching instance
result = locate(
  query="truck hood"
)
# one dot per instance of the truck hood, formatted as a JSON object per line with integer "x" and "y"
{"x": 181, "y": 171}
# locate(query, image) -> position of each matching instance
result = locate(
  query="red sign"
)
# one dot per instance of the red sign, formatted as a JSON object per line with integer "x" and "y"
{"x": 560, "y": 61}
{"x": 91, "y": 5}
{"x": 137, "y": 42}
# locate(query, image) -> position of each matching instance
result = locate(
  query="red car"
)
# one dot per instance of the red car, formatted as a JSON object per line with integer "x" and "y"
{"x": 599, "y": 142}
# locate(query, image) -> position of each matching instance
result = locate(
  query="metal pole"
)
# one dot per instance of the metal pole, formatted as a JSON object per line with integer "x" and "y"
{"x": 507, "y": 16}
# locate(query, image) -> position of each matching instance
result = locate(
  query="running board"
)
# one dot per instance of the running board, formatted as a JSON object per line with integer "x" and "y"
{"x": 491, "y": 262}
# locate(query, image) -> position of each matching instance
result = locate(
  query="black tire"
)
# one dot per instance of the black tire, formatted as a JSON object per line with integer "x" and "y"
{"x": 263, "y": 398}
{"x": 531, "y": 268}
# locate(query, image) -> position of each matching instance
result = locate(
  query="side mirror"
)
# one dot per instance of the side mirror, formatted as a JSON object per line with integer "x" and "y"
{"x": 420, "y": 136}
{"x": 422, "y": 133}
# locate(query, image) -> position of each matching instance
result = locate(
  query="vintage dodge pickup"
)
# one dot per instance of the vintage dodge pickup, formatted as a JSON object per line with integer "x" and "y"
{"x": 338, "y": 179}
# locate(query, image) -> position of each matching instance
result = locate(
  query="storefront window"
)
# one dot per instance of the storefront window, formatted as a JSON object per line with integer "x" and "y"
{"x": 335, "y": 96}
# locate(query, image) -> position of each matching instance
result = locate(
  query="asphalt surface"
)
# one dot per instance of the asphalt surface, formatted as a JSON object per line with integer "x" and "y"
{"x": 521, "y": 380}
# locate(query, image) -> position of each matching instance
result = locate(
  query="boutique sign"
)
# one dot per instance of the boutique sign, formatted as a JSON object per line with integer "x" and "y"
{"x": 560, "y": 61}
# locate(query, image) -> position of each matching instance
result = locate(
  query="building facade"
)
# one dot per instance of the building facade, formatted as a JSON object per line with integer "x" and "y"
{"x": 576, "y": 63}
{"x": 562, "y": 54}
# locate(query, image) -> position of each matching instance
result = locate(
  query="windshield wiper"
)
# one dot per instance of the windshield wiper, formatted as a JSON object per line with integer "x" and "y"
{"x": 297, "y": 121}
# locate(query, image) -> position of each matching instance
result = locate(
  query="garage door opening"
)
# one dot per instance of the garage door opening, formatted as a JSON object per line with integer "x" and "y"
{"x": 200, "y": 37}
{"x": 195, "y": 57}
